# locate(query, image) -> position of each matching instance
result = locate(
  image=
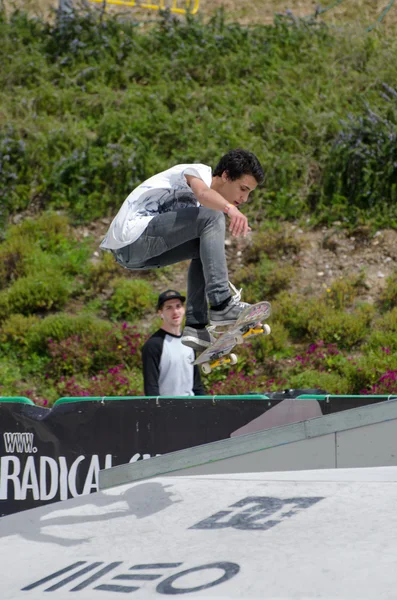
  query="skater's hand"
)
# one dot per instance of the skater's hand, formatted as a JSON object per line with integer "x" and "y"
{"x": 238, "y": 222}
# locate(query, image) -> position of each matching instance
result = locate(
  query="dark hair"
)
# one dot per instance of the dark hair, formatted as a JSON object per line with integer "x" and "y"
{"x": 239, "y": 162}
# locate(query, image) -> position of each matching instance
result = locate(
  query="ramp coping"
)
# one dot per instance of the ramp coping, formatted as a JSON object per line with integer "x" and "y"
{"x": 70, "y": 399}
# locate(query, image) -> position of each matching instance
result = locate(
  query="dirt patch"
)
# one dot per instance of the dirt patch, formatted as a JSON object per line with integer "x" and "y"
{"x": 328, "y": 255}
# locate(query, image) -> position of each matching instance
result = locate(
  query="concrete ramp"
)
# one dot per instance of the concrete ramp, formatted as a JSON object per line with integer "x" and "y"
{"x": 361, "y": 437}
{"x": 328, "y": 534}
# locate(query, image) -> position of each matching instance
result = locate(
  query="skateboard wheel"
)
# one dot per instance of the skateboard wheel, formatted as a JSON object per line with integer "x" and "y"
{"x": 267, "y": 329}
{"x": 206, "y": 368}
{"x": 233, "y": 359}
{"x": 238, "y": 338}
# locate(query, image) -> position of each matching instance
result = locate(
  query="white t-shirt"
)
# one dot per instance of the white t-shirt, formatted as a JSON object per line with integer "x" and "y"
{"x": 135, "y": 214}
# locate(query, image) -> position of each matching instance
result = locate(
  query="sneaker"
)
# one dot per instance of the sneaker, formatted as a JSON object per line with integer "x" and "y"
{"x": 231, "y": 312}
{"x": 198, "y": 339}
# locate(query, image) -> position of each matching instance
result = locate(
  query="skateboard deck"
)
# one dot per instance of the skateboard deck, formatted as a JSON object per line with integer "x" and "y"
{"x": 248, "y": 324}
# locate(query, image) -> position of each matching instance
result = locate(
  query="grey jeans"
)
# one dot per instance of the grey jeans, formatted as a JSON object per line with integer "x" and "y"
{"x": 182, "y": 234}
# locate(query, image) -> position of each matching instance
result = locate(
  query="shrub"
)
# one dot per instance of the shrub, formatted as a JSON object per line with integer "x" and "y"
{"x": 88, "y": 178}
{"x": 15, "y": 330}
{"x": 272, "y": 243}
{"x": 358, "y": 372}
{"x": 296, "y": 312}
{"x": 388, "y": 296}
{"x": 10, "y": 376}
{"x": 331, "y": 382}
{"x": 361, "y": 166}
{"x": 383, "y": 334}
{"x": 101, "y": 37}
{"x": 115, "y": 381}
{"x": 279, "y": 279}
{"x": 101, "y": 272}
{"x": 13, "y": 255}
{"x": 69, "y": 356}
{"x": 61, "y": 326}
{"x": 38, "y": 252}
{"x": 386, "y": 384}
{"x": 264, "y": 280}
{"x": 39, "y": 292}
{"x": 319, "y": 356}
{"x": 388, "y": 321}
{"x": 379, "y": 339}
{"x": 342, "y": 292}
{"x": 72, "y": 261}
{"x": 41, "y": 245}
{"x": 48, "y": 231}
{"x": 276, "y": 344}
{"x": 92, "y": 352}
{"x": 4, "y": 306}
{"x": 363, "y": 371}
{"x": 14, "y": 172}
{"x": 236, "y": 384}
{"x": 131, "y": 299}
{"x": 346, "y": 329}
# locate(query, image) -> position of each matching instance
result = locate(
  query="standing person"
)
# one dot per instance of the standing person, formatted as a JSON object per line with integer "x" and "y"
{"x": 167, "y": 363}
{"x": 179, "y": 214}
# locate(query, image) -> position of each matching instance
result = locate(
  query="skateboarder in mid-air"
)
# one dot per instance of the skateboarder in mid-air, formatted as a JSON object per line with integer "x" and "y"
{"x": 178, "y": 215}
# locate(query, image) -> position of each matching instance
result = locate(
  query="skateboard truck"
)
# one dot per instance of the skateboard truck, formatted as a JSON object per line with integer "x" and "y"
{"x": 207, "y": 367}
{"x": 240, "y": 337}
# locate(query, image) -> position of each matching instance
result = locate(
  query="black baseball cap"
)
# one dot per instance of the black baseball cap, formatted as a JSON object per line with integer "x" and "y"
{"x": 169, "y": 295}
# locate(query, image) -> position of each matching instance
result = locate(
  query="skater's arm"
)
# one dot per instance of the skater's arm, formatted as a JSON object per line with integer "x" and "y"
{"x": 212, "y": 199}
{"x": 151, "y": 355}
{"x": 198, "y": 388}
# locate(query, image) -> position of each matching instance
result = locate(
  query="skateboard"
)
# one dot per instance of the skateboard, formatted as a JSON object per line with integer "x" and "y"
{"x": 248, "y": 324}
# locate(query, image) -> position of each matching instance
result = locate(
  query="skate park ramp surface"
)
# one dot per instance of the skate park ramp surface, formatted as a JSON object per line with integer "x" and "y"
{"x": 329, "y": 533}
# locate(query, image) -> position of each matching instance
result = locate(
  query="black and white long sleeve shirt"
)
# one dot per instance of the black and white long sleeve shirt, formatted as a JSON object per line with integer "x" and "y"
{"x": 167, "y": 367}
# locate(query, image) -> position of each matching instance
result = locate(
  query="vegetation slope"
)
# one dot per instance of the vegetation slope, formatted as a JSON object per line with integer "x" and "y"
{"x": 90, "y": 105}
